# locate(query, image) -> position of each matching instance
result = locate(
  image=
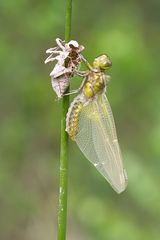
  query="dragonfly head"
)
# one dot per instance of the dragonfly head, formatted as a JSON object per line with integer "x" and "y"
{"x": 102, "y": 62}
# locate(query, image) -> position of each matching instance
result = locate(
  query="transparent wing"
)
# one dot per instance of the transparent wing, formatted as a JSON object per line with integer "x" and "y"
{"x": 98, "y": 141}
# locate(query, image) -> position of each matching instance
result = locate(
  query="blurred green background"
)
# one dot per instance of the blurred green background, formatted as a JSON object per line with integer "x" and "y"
{"x": 30, "y": 121}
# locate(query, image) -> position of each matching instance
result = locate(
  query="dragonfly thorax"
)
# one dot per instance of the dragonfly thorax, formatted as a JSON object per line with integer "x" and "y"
{"x": 94, "y": 85}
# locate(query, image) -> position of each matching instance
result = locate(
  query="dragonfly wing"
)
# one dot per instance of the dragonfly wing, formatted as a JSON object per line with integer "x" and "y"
{"x": 98, "y": 141}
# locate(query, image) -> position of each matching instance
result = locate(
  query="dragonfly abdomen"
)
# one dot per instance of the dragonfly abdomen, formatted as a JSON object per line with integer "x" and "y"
{"x": 72, "y": 117}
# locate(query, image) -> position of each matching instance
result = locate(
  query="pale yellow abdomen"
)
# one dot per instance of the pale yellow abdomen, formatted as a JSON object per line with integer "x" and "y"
{"x": 72, "y": 119}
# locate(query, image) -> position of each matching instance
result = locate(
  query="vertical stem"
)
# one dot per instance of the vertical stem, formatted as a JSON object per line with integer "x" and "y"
{"x": 68, "y": 20}
{"x": 63, "y": 185}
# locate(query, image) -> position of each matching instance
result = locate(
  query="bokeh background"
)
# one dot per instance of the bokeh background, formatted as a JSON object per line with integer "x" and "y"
{"x": 30, "y": 121}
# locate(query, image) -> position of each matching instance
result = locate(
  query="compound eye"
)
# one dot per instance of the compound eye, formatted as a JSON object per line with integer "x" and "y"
{"x": 107, "y": 62}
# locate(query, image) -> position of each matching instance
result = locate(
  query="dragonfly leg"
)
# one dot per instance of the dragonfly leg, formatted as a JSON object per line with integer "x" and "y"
{"x": 81, "y": 73}
{"x": 52, "y": 51}
{"x": 86, "y": 63}
{"x": 76, "y": 90}
{"x": 72, "y": 92}
{"x": 108, "y": 78}
{"x": 60, "y": 43}
{"x": 51, "y": 59}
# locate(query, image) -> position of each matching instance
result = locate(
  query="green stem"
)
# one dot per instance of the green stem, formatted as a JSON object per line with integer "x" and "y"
{"x": 68, "y": 20}
{"x": 63, "y": 185}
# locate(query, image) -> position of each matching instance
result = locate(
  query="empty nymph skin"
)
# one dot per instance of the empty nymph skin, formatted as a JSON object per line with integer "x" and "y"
{"x": 68, "y": 57}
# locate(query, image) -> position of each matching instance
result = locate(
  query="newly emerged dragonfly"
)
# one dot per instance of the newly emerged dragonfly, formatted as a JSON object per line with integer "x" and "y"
{"x": 90, "y": 123}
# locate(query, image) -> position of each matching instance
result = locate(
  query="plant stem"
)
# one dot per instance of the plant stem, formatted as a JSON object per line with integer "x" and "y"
{"x": 68, "y": 20}
{"x": 63, "y": 185}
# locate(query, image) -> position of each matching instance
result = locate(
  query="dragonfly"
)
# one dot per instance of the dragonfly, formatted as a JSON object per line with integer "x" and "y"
{"x": 90, "y": 123}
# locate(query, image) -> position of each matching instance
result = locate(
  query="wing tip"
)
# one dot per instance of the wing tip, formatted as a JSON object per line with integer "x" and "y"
{"x": 119, "y": 188}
